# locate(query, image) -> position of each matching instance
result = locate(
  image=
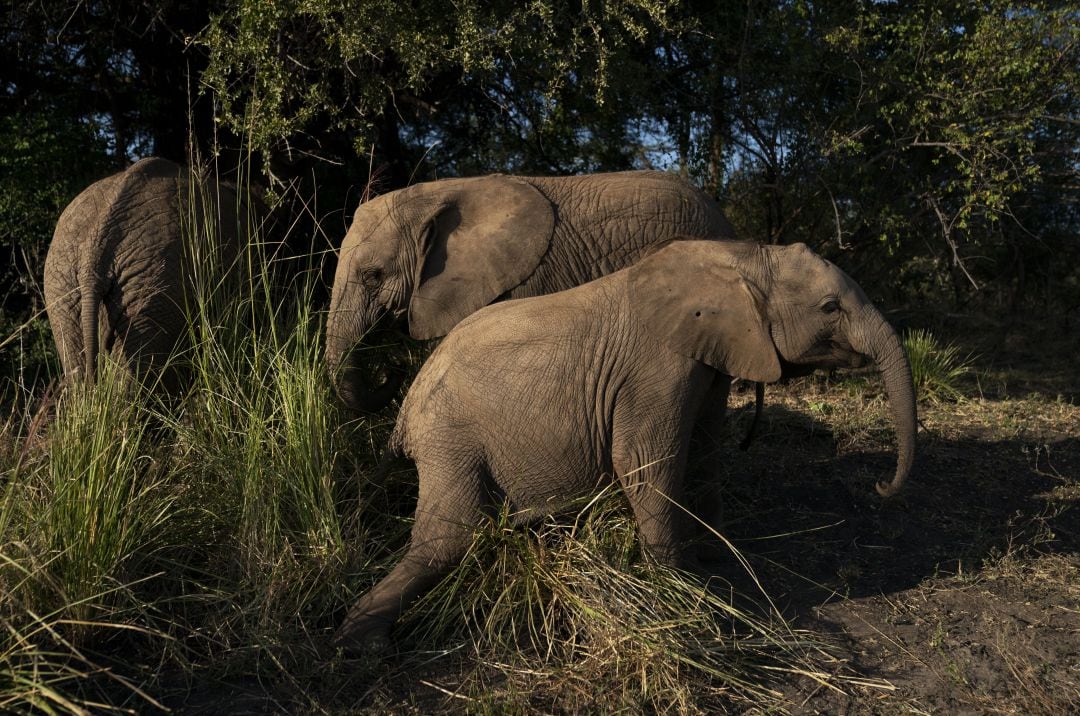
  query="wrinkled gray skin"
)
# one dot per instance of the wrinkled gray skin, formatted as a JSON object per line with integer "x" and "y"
{"x": 545, "y": 400}
{"x": 114, "y": 274}
{"x": 434, "y": 253}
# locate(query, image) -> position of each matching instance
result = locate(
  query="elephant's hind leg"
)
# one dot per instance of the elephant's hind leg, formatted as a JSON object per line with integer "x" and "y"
{"x": 447, "y": 511}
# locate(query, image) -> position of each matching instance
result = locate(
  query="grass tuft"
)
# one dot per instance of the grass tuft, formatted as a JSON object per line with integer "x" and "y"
{"x": 80, "y": 523}
{"x": 936, "y": 369}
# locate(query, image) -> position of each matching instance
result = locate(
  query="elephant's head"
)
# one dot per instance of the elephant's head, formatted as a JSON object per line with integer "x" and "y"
{"x": 429, "y": 255}
{"x": 760, "y": 312}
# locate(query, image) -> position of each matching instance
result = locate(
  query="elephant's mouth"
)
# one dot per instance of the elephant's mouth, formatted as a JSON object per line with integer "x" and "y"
{"x": 368, "y": 371}
{"x": 830, "y": 355}
{"x": 384, "y": 355}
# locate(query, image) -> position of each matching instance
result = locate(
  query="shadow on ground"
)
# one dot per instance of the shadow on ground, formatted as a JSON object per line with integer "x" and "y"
{"x": 807, "y": 509}
{"x": 963, "y": 592}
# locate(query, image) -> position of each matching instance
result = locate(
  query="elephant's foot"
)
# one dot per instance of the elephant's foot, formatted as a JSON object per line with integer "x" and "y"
{"x": 364, "y": 634}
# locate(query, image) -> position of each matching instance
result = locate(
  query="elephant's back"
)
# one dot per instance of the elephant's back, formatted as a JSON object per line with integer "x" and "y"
{"x": 501, "y": 337}
{"x": 654, "y": 196}
{"x": 608, "y": 222}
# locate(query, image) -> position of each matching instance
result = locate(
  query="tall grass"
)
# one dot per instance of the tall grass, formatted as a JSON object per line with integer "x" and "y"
{"x": 163, "y": 516}
{"x": 83, "y": 515}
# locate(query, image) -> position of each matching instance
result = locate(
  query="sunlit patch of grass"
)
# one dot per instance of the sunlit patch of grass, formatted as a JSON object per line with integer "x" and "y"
{"x": 936, "y": 369}
{"x": 258, "y": 432}
{"x": 259, "y": 435}
{"x": 92, "y": 504}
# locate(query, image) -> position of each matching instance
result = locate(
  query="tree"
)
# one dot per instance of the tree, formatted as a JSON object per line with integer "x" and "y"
{"x": 500, "y": 85}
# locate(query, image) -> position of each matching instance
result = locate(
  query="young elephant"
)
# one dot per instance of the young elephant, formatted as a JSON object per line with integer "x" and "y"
{"x": 115, "y": 274}
{"x": 540, "y": 401}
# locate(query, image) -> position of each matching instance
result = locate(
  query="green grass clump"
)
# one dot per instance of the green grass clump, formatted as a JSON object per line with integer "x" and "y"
{"x": 94, "y": 502}
{"x": 82, "y": 516}
{"x": 936, "y": 369}
{"x": 164, "y": 529}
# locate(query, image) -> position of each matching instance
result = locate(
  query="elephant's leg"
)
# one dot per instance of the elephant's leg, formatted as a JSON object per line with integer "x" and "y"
{"x": 448, "y": 508}
{"x": 151, "y": 326}
{"x": 652, "y": 477}
{"x": 709, "y": 450}
{"x": 709, "y": 427}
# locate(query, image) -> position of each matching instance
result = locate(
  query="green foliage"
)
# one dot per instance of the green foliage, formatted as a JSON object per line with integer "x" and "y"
{"x": 930, "y": 144}
{"x": 912, "y": 140}
{"x": 360, "y": 68}
{"x": 963, "y": 94}
{"x": 936, "y": 370}
{"x": 917, "y": 138}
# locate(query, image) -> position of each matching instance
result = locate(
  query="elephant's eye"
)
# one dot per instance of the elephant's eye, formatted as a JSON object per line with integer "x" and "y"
{"x": 831, "y": 306}
{"x": 373, "y": 277}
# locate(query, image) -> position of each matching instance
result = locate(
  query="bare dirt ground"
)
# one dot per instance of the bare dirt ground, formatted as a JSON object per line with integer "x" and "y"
{"x": 963, "y": 594}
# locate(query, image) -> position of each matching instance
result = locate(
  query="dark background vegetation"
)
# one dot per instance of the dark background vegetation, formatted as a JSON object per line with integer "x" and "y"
{"x": 930, "y": 147}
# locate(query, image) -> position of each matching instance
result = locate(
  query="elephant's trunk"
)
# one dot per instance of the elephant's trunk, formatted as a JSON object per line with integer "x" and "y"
{"x": 346, "y": 326}
{"x": 874, "y": 337}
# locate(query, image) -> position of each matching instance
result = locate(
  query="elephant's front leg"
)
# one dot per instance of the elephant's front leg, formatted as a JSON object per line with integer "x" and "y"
{"x": 651, "y": 475}
{"x": 448, "y": 506}
{"x": 708, "y": 451}
{"x": 368, "y": 623}
{"x": 709, "y": 426}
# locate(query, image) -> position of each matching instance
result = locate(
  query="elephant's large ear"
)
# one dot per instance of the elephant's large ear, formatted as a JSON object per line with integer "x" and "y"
{"x": 487, "y": 237}
{"x": 698, "y": 307}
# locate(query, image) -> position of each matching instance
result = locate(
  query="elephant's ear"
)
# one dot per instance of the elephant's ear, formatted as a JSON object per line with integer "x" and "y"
{"x": 486, "y": 237}
{"x": 698, "y": 307}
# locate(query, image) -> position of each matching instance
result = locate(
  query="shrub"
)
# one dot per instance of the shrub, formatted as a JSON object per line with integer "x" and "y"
{"x": 936, "y": 369}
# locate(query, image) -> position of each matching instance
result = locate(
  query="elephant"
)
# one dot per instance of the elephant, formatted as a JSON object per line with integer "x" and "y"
{"x": 433, "y": 253}
{"x": 541, "y": 401}
{"x": 116, "y": 273}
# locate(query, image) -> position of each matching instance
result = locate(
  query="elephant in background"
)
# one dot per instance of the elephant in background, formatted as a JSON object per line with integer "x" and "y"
{"x": 116, "y": 272}
{"x": 436, "y": 252}
{"x": 540, "y": 401}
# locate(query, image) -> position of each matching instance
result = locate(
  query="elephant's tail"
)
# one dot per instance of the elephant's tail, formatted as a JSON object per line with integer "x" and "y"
{"x": 396, "y": 444}
{"x": 92, "y": 277}
{"x": 97, "y": 262}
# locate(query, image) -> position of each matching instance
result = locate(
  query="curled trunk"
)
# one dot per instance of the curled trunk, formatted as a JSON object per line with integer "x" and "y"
{"x": 877, "y": 339}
